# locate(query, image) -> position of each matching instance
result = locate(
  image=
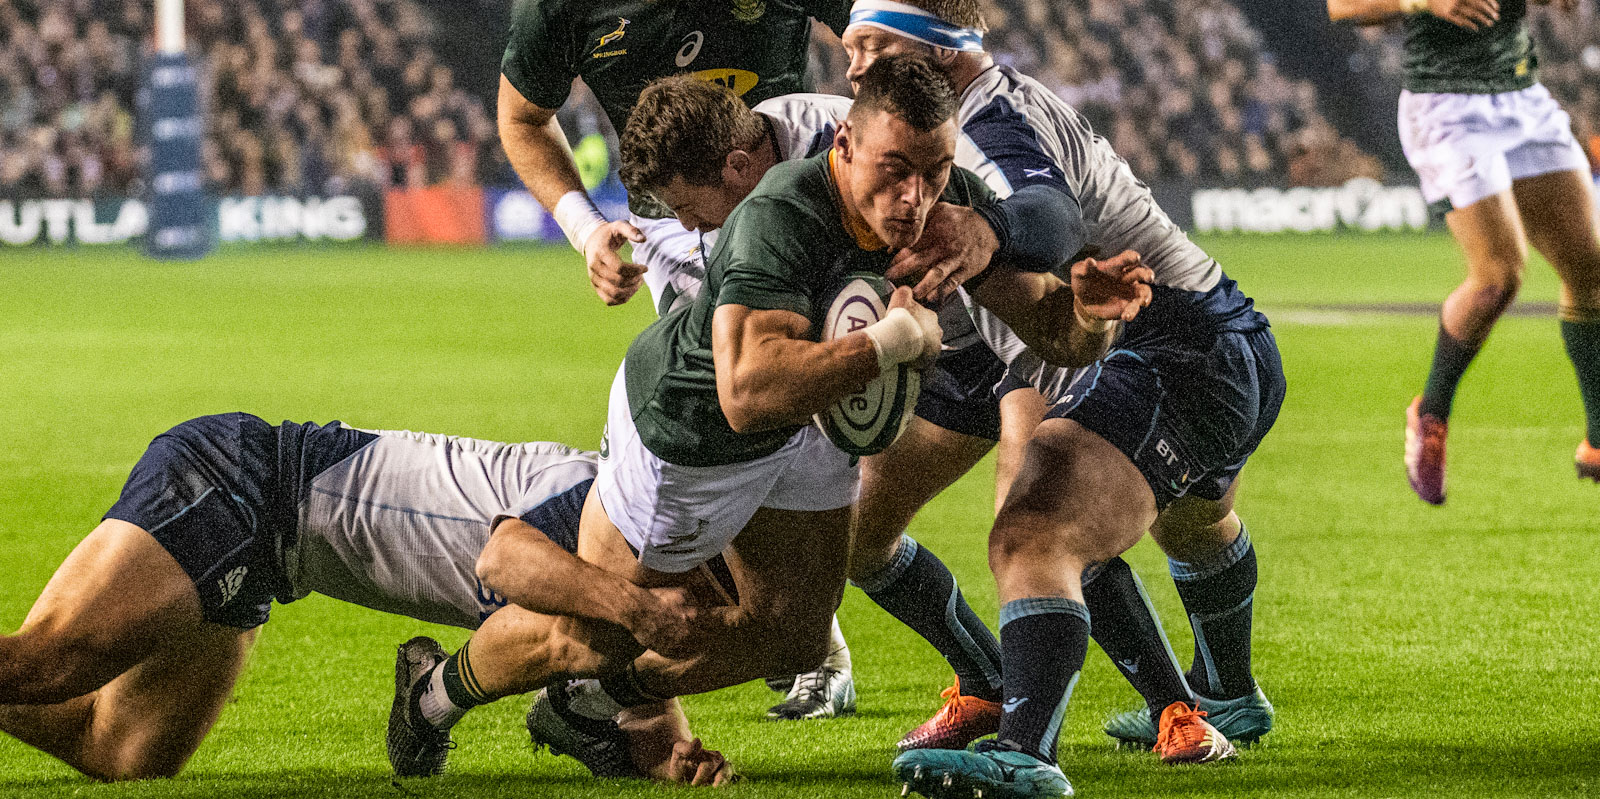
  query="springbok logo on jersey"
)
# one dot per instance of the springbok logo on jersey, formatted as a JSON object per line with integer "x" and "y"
{"x": 748, "y": 10}
{"x": 614, "y": 35}
{"x": 737, "y": 80}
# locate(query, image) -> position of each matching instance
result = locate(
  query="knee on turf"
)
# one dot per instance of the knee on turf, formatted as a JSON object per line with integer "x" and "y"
{"x": 142, "y": 762}
{"x": 45, "y": 669}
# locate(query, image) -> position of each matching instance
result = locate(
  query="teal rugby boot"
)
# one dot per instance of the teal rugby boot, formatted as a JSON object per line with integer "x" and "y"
{"x": 985, "y": 772}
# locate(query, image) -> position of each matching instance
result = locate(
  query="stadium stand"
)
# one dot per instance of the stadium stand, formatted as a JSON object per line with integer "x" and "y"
{"x": 333, "y": 96}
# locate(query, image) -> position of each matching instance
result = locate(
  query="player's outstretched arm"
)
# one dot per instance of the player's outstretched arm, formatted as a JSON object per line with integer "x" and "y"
{"x": 523, "y": 565}
{"x": 1070, "y": 324}
{"x": 538, "y": 151}
{"x": 769, "y": 375}
{"x": 1469, "y": 14}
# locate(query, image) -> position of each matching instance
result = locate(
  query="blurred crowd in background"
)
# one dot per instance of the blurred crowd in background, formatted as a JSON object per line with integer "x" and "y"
{"x": 334, "y": 96}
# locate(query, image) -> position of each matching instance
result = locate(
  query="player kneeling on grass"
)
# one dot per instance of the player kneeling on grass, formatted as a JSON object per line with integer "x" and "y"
{"x": 130, "y": 652}
{"x": 711, "y": 449}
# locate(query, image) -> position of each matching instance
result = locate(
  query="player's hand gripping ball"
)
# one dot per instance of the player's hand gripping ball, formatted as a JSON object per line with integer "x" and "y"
{"x": 867, "y": 422}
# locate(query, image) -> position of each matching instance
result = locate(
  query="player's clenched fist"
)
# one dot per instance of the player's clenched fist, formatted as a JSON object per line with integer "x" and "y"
{"x": 614, "y": 279}
{"x": 1111, "y": 290}
{"x": 927, "y": 321}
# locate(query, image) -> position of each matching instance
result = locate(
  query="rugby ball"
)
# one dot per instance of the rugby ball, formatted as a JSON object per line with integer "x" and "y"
{"x": 867, "y": 422}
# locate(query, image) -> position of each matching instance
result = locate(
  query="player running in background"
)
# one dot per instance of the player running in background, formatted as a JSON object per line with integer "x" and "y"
{"x": 1493, "y": 148}
{"x": 758, "y": 49}
{"x": 1017, "y": 134}
{"x": 127, "y": 657}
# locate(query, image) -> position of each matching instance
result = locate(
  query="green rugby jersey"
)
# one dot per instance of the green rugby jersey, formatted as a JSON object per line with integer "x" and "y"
{"x": 1441, "y": 57}
{"x": 757, "y": 48}
{"x": 784, "y": 248}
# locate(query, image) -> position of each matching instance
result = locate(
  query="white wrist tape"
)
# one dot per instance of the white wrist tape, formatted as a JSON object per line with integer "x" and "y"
{"x": 1413, "y": 6}
{"x": 896, "y": 337}
{"x": 578, "y": 217}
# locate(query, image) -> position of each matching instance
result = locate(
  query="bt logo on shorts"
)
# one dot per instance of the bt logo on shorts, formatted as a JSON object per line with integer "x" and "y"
{"x": 1165, "y": 451}
{"x": 231, "y": 582}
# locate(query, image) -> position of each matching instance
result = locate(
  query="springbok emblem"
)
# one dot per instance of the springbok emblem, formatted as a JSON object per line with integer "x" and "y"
{"x": 614, "y": 35}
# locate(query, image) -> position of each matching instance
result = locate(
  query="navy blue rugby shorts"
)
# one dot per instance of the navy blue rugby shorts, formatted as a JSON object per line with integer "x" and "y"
{"x": 1187, "y": 418}
{"x": 201, "y": 490}
{"x": 958, "y": 392}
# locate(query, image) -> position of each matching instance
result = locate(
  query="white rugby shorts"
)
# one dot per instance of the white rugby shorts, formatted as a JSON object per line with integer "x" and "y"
{"x": 675, "y": 264}
{"x": 1466, "y": 147}
{"x": 678, "y": 517}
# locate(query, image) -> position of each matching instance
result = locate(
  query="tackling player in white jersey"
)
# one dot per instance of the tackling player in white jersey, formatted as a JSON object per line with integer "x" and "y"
{"x": 132, "y": 649}
{"x": 1151, "y": 436}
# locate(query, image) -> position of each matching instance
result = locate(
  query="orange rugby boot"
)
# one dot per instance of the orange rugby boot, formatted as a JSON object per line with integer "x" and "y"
{"x": 1425, "y": 453}
{"x": 962, "y": 720}
{"x": 1186, "y": 737}
{"x": 1588, "y": 462}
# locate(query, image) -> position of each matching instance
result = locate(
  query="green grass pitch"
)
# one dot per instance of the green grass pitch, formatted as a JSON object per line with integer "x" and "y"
{"x": 1411, "y": 651}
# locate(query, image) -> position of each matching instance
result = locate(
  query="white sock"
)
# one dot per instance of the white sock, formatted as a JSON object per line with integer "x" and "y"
{"x": 838, "y": 650}
{"x": 435, "y": 702}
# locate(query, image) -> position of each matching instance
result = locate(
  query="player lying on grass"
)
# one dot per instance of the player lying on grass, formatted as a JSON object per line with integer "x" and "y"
{"x": 1492, "y": 147}
{"x": 1152, "y": 437}
{"x": 130, "y": 652}
{"x": 710, "y": 446}
{"x": 698, "y": 150}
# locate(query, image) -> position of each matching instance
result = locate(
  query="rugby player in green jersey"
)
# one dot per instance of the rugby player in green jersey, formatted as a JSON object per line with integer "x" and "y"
{"x": 757, "y": 48}
{"x": 1490, "y": 145}
{"x": 708, "y": 448}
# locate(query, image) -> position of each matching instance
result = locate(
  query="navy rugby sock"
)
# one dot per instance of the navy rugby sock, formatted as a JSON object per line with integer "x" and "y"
{"x": 1580, "y": 330}
{"x": 1126, "y": 627}
{"x": 1044, "y": 640}
{"x": 1451, "y": 357}
{"x": 1218, "y": 594}
{"x": 919, "y": 590}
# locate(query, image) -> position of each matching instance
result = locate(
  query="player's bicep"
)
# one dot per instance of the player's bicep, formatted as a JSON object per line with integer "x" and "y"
{"x": 516, "y": 110}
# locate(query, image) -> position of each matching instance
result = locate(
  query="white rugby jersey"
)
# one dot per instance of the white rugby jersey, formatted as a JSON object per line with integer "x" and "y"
{"x": 802, "y": 126}
{"x": 1015, "y": 133}
{"x": 397, "y": 525}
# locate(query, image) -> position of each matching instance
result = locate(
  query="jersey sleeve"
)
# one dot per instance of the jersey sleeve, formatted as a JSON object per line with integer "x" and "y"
{"x": 537, "y": 58}
{"x": 833, "y": 13}
{"x": 1008, "y": 146}
{"x": 764, "y": 251}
